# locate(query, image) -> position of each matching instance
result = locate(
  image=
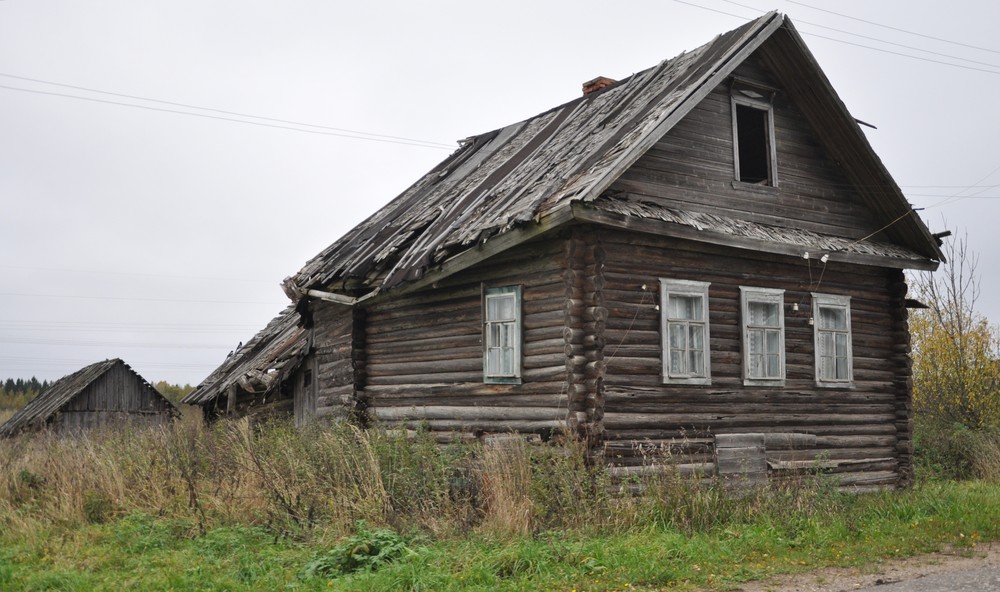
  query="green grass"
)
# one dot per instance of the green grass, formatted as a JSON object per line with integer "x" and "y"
{"x": 138, "y": 551}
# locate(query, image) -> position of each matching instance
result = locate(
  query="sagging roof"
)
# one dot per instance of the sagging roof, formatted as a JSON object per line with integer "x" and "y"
{"x": 524, "y": 173}
{"x": 61, "y": 392}
{"x": 261, "y": 364}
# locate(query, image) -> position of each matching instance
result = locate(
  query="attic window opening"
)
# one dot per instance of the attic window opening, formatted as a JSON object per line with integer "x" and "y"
{"x": 753, "y": 140}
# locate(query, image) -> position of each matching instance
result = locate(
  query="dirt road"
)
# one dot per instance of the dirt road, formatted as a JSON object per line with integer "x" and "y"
{"x": 964, "y": 570}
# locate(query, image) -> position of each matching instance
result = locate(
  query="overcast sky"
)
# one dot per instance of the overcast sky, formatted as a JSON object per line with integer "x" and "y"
{"x": 163, "y": 165}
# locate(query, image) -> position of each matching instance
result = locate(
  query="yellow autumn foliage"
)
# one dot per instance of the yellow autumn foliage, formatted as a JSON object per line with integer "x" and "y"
{"x": 956, "y": 371}
{"x": 956, "y": 351}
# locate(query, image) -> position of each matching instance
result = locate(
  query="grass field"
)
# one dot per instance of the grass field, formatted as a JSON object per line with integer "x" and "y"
{"x": 239, "y": 508}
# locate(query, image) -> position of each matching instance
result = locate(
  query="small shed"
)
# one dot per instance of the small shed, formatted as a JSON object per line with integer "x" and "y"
{"x": 267, "y": 377}
{"x": 105, "y": 393}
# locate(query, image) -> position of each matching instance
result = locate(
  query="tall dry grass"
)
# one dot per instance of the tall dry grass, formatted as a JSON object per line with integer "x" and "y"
{"x": 289, "y": 480}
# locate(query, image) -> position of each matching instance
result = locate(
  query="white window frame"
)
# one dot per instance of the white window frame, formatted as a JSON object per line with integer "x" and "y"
{"x": 670, "y": 287}
{"x": 832, "y": 301}
{"x": 738, "y": 99}
{"x": 513, "y": 326}
{"x": 770, "y": 296}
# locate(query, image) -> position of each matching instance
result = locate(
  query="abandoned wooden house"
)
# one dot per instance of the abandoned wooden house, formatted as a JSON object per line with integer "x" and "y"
{"x": 706, "y": 256}
{"x": 263, "y": 378}
{"x": 102, "y": 394}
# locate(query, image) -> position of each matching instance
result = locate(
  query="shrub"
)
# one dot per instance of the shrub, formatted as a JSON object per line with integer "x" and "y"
{"x": 366, "y": 550}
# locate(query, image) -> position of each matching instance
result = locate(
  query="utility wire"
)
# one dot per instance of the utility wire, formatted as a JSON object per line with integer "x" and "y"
{"x": 418, "y": 143}
{"x": 876, "y": 39}
{"x": 834, "y": 39}
{"x": 854, "y": 18}
{"x": 132, "y": 299}
{"x": 223, "y": 111}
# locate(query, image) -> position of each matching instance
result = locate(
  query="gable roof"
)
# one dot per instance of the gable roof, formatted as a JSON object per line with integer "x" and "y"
{"x": 261, "y": 364}
{"x": 61, "y": 392}
{"x": 531, "y": 176}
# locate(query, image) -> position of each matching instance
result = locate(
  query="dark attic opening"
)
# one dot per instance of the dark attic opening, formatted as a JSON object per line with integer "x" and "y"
{"x": 753, "y": 148}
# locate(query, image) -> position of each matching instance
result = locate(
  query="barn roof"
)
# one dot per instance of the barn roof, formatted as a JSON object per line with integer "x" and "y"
{"x": 51, "y": 400}
{"x": 507, "y": 185}
{"x": 259, "y": 365}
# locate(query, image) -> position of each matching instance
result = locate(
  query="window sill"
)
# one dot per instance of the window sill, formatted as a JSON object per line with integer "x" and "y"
{"x": 779, "y": 382}
{"x": 845, "y": 385}
{"x": 756, "y": 188}
{"x": 688, "y": 381}
{"x": 501, "y": 380}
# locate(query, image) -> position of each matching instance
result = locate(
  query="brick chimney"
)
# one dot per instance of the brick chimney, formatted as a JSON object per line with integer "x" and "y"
{"x": 597, "y": 84}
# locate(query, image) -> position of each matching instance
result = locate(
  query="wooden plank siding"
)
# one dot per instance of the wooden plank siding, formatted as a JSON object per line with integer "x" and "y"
{"x": 424, "y": 352}
{"x": 863, "y": 430}
{"x": 691, "y": 168}
{"x": 117, "y": 397}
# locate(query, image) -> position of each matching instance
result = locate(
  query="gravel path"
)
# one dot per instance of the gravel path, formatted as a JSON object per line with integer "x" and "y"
{"x": 975, "y": 570}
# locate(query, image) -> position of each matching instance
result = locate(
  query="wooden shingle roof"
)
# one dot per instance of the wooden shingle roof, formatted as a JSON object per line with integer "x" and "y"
{"x": 537, "y": 172}
{"x": 259, "y": 365}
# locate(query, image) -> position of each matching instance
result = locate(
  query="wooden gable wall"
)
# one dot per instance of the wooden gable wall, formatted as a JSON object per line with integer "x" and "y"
{"x": 692, "y": 168}
{"x": 116, "y": 397}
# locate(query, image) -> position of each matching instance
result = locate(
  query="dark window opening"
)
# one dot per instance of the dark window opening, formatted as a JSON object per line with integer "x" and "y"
{"x": 307, "y": 378}
{"x": 754, "y": 151}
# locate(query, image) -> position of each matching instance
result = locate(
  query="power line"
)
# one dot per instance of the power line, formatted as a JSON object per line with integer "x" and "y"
{"x": 114, "y": 344}
{"x": 876, "y": 39}
{"x": 418, "y": 143}
{"x": 854, "y": 18}
{"x": 905, "y": 55}
{"x": 131, "y": 299}
{"x": 834, "y": 39}
{"x": 137, "y": 274}
{"x": 223, "y": 111}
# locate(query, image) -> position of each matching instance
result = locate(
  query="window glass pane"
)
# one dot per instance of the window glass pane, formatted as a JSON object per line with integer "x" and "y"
{"x": 493, "y": 361}
{"x": 676, "y": 335}
{"x": 676, "y": 362}
{"x": 825, "y": 344}
{"x": 832, "y": 318}
{"x": 764, "y": 314}
{"x": 773, "y": 342}
{"x": 500, "y": 307}
{"x": 755, "y": 342}
{"x": 841, "y": 371}
{"x": 773, "y": 367}
{"x": 507, "y": 361}
{"x": 494, "y": 329}
{"x": 696, "y": 337}
{"x": 697, "y": 362}
{"x": 841, "y": 340}
{"x": 687, "y": 308}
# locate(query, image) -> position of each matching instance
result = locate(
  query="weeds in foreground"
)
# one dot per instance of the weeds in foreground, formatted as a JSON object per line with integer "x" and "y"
{"x": 269, "y": 506}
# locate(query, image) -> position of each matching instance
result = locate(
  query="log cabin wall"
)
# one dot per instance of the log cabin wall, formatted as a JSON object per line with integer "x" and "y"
{"x": 862, "y": 432}
{"x": 692, "y": 168}
{"x": 424, "y": 351}
{"x": 117, "y": 397}
{"x": 336, "y": 335}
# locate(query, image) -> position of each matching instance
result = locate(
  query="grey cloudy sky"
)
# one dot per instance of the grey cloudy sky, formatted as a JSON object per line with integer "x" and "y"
{"x": 130, "y": 230}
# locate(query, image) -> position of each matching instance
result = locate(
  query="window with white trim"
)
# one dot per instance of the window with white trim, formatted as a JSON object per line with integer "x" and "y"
{"x": 684, "y": 332}
{"x": 754, "y": 152}
{"x": 763, "y": 320}
{"x": 832, "y": 331}
{"x": 502, "y": 335}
